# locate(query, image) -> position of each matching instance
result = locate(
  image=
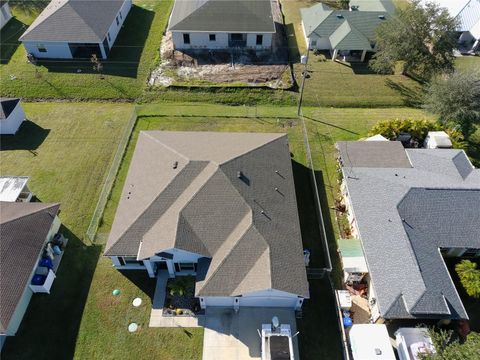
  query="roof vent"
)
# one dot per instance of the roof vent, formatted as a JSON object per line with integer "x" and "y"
{"x": 175, "y": 164}
{"x": 339, "y": 16}
{"x": 378, "y": 351}
{"x": 354, "y": 7}
{"x": 381, "y": 17}
{"x": 239, "y": 174}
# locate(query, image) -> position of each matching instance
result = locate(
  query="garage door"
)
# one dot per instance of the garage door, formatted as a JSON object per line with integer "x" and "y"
{"x": 268, "y": 301}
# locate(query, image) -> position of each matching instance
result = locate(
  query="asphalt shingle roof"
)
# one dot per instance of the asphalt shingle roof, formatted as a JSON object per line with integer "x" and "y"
{"x": 7, "y": 105}
{"x": 222, "y": 16}
{"x": 356, "y": 28}
{"x": 227, "y": 196}
{"x": 404, "y": 215}
{"x": 23, "y": 230}
{"x": 74, "y": 21}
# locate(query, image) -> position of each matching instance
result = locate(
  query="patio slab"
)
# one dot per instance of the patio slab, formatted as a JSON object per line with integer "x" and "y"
{"x": 230, "y": 335}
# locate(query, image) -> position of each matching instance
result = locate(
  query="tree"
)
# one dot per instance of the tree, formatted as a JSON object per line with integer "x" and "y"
{"x": 469, "y": 277}
{"x": 455, "y": 98}
{"x": 97, "y": 65}
{"x": 420, "y": 37}
{"x": 448, "y": 348}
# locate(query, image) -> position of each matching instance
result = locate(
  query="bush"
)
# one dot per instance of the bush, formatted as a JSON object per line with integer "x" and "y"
{"x": 469, "y": 277}
{"x": 417, "y": 128}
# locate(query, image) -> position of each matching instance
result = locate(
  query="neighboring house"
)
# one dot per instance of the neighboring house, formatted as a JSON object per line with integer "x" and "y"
{"x": 220, "y": 206}
{"x": 11, "y": 116}
{"x": 75, "y": 29}
{"x": 467, "y": 13}
{"x": 5, "y": 13}
{"x": 408, "y": 208}
{"x": 222, "y": 24}
{"x": 349, "y": 32}
{"x": 14, "y": 189}
{"x": 25, "y": 229}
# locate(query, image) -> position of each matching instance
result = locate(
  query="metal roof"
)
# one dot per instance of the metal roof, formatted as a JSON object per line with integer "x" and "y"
{"x": 222, "y": 16}
{"x": 404, "y": 215}
{"x": 74, "y": 21}
{"x": 11, "y": 187}
{"x": 229, "y": 197}
{"x": 23, "y": 231}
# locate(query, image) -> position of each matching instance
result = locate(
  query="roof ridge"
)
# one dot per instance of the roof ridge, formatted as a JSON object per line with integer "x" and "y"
{"x": 40, "y": 19}
{"x": 40, "y": 209}
{"x": 192, "y": 13}
{"x": 147, "y": 133}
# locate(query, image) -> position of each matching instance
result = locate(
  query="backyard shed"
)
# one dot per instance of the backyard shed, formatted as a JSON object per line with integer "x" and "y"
{"x": 76, "y": 29}
{"x": 11, "y": 116}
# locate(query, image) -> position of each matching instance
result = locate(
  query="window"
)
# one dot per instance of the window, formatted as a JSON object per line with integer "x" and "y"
{"x": 212, "y": 37}
{"x": 120, "y": 13}
{"x": 186, "y": 38}
{"x": 236, "y": 37}
{"x": 118, "y": 22}
{"x": 41, "y": 48}
{"x": 109, "y": 38}
{"x": 129, "y": 260}
{"x": 185, "y": 267}
{"x": 259, "y": 39}
{"x": 313, "y": 43}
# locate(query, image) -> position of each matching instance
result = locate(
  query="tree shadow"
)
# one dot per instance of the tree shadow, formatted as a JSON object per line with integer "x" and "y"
{"x": 29, "y": 137}
{"x": 411, "y": 97}
{"x": 141, "y": 280}
{"x": 125, "y": 55}
{"x": 292, "y": 43}
{"x": 9, "y": 39}
{"x": 50, "y": 326}
{"x": 332, "y": 125}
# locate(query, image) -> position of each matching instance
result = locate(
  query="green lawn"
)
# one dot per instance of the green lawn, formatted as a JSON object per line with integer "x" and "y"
{"x": 126, "y": 70}
{"x": 66, "y": 149}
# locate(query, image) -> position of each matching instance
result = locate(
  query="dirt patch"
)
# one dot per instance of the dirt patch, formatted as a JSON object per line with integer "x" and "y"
{"x": 230, "y": 66}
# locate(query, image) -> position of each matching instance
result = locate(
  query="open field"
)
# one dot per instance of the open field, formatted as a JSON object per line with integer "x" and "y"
{"x": 66, "y": 149}
{"x": 132, "y": 57}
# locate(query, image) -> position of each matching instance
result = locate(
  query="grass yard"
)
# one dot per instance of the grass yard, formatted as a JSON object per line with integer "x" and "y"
{"x": 126, "y": 70}
{"x": 66, "y": 149}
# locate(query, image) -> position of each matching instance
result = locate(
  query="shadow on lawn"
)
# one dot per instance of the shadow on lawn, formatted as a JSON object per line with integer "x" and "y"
{"x": 125, "y": 55}
{"x": 332, "y": 125}
{"x": 411, "y": 97}
{"x": 9, "y": 35}
{"x": 141, "y": 280}
{"x": 29, "y": 137}
{"x": 293, "y": 51}
{"x": 50, "y": 326}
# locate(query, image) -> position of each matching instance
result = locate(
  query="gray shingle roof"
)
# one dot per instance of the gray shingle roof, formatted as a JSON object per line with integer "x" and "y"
{"x": 74, "y": 21}
{"x": 380, "y": 154}
{"x": 222, "y": 16}
{"x": 404, "y": 215}
{"x": 23, "y": 231}
{"x": 248, "y": 232}
{"x": 359, "y": 31}
{"x": 7, "y": 105}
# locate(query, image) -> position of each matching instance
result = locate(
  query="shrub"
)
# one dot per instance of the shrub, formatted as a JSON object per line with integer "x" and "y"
{"x": 469, "y": 277}
{"x": 417, "y": 128}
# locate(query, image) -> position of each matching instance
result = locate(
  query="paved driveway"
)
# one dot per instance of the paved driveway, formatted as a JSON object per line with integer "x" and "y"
{"x": 234, "y": 336}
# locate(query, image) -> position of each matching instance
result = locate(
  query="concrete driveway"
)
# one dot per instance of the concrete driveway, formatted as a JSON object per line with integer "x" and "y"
{"x": 234, "y": 336}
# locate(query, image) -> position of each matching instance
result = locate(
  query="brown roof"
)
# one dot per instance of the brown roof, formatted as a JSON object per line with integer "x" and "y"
{"x": 227, "y": 196}
{"x": 23, "y": 230}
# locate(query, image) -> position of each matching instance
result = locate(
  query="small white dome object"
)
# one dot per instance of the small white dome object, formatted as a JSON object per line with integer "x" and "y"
{"x": 132, "y": 327}
{"x": 137, "y": 302}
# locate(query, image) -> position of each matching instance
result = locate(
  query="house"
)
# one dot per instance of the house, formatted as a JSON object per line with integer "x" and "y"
{"x": 409, "y": 208}
{"x": 437, "y": 140}
{"x": 25, "y": 229}
{"x": 5, "y": 13}
{"x": 11, "y": 116}
{"x": 220, "y": 206}
{"x": 14, "y": 189}
{"x": 222, "y": 24}
{"x": 76, "y": 29}
{"x": 349, "y": 32}
{"x": 467, "y": 13}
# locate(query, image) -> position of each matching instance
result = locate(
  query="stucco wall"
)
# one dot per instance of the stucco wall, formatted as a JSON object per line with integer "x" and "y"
{"x": 55, "y": 50}
{"x": 114, "y": 28}
{"x": 201, "y": 40}
{"x": 10, "y": 126}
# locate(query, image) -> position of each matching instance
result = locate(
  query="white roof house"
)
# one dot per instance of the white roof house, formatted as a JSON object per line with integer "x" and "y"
{"x": 467, "y": 12}
{"x": 14, "y": 189}
{"x": 370, "y": 341}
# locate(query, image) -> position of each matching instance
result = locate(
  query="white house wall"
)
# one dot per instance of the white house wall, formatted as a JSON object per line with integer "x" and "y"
{"x": 55, "y": 50}
{"x": 114, "y": 28}
{"x": 10, "y": 125}
{"x": 27, "y": 292}
{"x": 5, "y": 15}
{"x": 201, "y": 40}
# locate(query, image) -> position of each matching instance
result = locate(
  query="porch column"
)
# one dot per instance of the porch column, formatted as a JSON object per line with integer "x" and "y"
{"x": 364, "y": 52}
{"x": 171, "y": 269}
{"x": 149, "y": 267}
{"x": 335, "y": 53}
{"x": 102, "y": 50}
